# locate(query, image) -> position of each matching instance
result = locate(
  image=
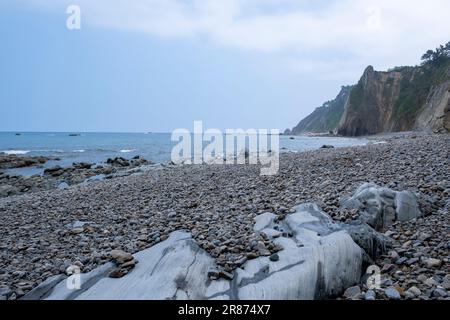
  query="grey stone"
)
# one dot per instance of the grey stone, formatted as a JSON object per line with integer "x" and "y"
{"x": 401, "y": 260}
{"x": 392, "y": 293}
{"x": 433, "y": 263}
{"x": 274, "y": 257}
{"x": 370, "y": 295}
{"x": 63, "y": 185}
{"x": 414, "y": 292}
{"x": 440, "y": 293}
{"x": 263, "y": 221}
{"x": 446, "y": 282}
{"x": 412, "y": 261}
{"x": 6, "y": 292}
{"x": 376, "y": 205}
{"x": 121, "y": 256}
{"x": 352, "y": 292}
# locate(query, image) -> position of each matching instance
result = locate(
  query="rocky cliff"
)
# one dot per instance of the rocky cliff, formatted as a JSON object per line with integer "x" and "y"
{"x": 325, "y": 118}
{"x": 402, "y": 99}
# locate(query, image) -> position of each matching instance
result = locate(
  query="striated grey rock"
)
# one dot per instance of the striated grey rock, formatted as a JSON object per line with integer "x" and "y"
{"x": 263, "y": 221}
{"x": 380, "y": 207}
{"x": 406, "y": 206}
{"x": 435, "y": 114}
{"x": 319, "y": 261}
{"x": 44, "y": 288}
{"x": 374, "y": 243}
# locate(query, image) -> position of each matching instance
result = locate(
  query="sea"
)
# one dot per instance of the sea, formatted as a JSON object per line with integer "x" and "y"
{"x": 98, "y": 147}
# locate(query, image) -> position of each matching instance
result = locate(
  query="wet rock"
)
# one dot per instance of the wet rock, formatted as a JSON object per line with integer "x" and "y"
{"x": 55, "y": 171}
{"x": 82, "y": 165}
{"x": 14, "y": 161}
{"x": 274, "y": 257}
{"x": 118, "y": 161}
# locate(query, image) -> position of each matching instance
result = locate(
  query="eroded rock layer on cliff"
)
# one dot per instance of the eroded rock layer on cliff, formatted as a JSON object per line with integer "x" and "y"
{"x": 402, "y": 99}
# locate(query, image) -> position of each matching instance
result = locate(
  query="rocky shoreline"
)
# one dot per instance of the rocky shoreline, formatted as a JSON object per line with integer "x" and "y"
{"x": 58, "y": 177}
{"x": 45, "y": 232}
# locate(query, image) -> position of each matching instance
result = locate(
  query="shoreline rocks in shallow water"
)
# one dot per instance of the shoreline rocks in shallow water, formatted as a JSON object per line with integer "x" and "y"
{"x": 122, "y": 162}
{"x": 13, "y": 161}
{"x": 58, "y": 177}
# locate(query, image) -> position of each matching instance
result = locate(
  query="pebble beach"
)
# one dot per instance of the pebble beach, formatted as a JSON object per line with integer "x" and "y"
{"x": 44, "y": 232}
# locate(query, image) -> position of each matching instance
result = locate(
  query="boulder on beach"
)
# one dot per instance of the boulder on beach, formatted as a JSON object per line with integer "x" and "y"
{"x": 380, "y": 207}
{"x": 320, "y": 260}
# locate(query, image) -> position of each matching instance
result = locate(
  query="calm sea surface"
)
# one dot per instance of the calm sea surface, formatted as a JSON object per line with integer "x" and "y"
{"x": 97, "y": 147}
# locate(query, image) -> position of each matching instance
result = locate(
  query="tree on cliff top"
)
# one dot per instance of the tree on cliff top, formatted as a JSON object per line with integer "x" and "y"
{"x": 440, "y": 54}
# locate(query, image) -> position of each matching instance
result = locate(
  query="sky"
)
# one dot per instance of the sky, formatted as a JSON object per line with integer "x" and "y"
{"x": 158, "y": 65}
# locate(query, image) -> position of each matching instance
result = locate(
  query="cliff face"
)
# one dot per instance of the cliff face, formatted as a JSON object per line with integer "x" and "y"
{"x": 325, "y": 118}
{"x": 406, "y": 98}
{"x": 369, "y": 108}
{"x": 436, "y": 112}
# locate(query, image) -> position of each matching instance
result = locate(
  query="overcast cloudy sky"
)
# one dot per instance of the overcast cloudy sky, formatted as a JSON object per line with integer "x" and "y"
{"x": 157, "y": 65}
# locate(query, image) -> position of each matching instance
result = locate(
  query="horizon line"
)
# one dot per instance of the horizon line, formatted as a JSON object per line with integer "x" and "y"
{"x": 81, "y": 132}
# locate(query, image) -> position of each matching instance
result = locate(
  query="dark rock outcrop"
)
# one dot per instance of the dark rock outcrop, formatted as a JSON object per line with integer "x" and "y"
{"x": 13, "y": 161}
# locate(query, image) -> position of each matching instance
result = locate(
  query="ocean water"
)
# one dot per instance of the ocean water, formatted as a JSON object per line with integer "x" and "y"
{"x": 98, "y": 147}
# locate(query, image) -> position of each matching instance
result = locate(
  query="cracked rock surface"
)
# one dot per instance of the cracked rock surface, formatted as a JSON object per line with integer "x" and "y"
{"x": 318, "y": 260}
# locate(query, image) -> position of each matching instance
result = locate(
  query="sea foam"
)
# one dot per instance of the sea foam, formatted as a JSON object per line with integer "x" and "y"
{"x": 15, "y": 152}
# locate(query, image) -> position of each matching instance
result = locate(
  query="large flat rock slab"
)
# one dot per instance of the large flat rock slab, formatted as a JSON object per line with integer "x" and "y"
{"x": 318, "y": 260}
